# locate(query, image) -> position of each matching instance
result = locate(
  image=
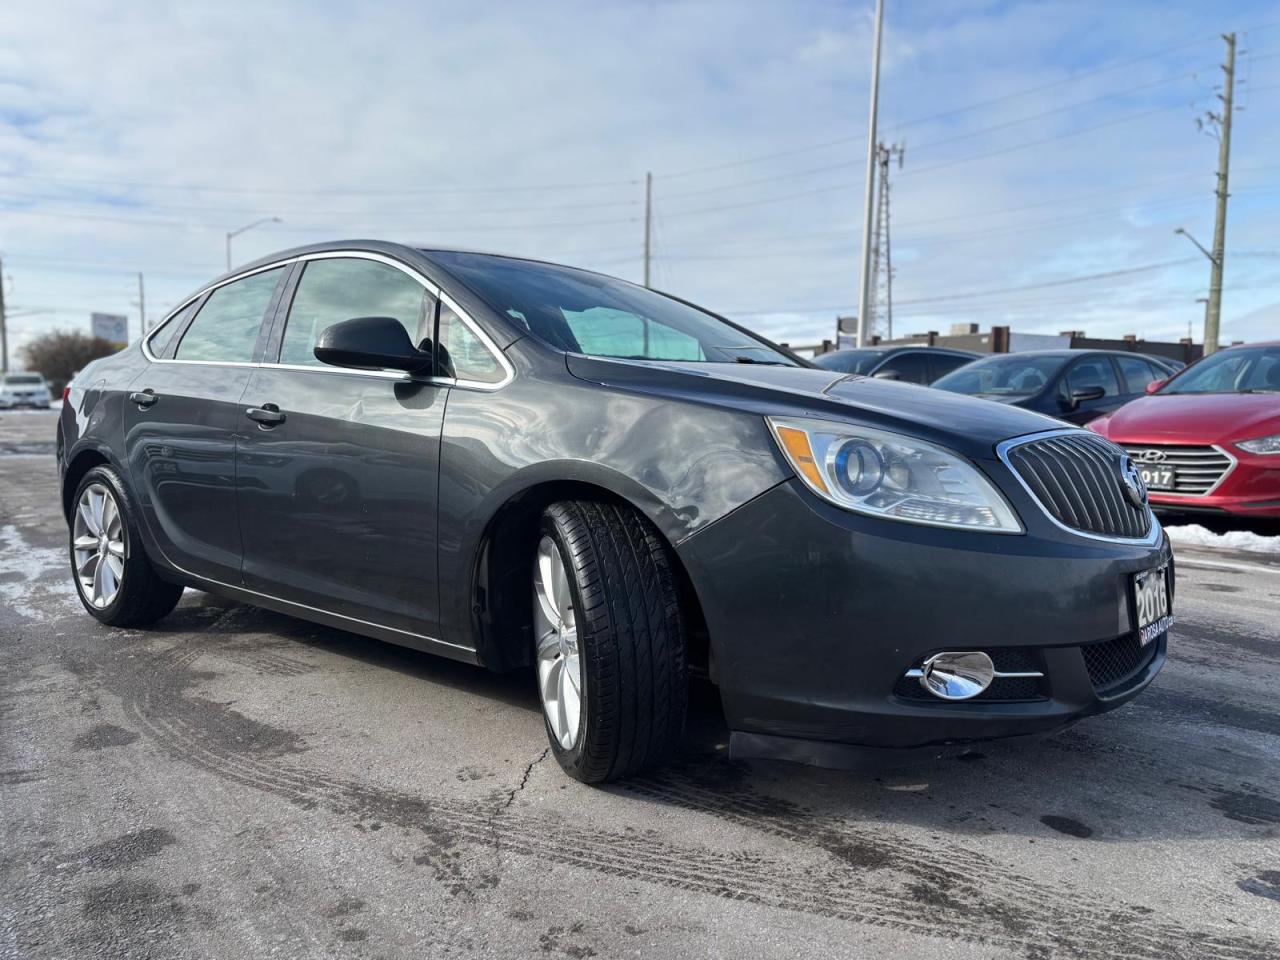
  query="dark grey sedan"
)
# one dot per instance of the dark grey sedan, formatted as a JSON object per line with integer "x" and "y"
{"x": 523, "y": 465}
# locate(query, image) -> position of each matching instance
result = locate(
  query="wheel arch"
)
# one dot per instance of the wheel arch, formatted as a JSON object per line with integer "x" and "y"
{"x": 501, "y": 607}
{"x": 80, "y": 463}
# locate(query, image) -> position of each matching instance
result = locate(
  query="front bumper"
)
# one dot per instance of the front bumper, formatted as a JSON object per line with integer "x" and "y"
{"x": 816, "y": 613}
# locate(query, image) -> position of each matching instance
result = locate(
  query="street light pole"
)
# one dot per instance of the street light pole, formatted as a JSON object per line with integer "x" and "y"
{"x": 247, "y": 226}
{"x": 864, "y": 291}
{"x": 1210, "y": 318}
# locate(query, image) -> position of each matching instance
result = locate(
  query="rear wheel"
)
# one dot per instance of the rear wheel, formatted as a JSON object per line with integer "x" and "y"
{"x": 113, "y": 576}
{"x": 609, "y": 641}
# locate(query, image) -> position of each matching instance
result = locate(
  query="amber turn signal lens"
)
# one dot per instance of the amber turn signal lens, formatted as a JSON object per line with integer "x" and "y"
{"x": 796, "y": 443}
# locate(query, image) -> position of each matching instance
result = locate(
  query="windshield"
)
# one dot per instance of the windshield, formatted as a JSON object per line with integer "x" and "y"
{"x": 23, "y": 380}
{"x": 849, "y": 361}
{"x": 1238, "y": 370}
{"x": 1009, "y": 374}
{"x": 582, "y": 312}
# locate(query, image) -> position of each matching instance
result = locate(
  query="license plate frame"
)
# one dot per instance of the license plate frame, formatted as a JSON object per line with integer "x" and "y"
{"x": 1152, "y": 603}
{"x": 1158, "y": 477}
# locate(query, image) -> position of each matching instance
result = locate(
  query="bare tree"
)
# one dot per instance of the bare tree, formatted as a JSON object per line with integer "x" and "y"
{"x": 59, "y": 355}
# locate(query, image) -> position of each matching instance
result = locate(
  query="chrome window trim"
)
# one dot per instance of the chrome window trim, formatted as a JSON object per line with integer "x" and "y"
{"x": 508, "y": 370}
{"x": 1002, "y": 451}
{"x": 146, "y": 341}
{"x": 1234, "y": 462}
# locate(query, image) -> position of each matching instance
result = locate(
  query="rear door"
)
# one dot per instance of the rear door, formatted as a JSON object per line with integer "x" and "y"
{"x": 337, "y": 500}
{"x": 181, "y": 418}
{"x": 940, "y": 364}
{"x": 1135, "y": 374}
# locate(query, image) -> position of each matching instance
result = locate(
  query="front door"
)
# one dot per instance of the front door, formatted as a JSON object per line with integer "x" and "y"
{"x": 1092, "y": 377}
{"x": 337, "y": 487}
{"x": 180, "y": 422}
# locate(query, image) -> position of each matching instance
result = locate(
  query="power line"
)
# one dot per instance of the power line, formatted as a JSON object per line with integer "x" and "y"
{"x": 842, "y": 141}
{"x": 267, "y": 191}
{"x": 924, "y": 146}
{"x": 1114, "y": 121}
{"x": 971, "y": 294}
{"x": 320, "y": 228}
{"x": 1061, "y": 282}
{"x": 241, "y": 211}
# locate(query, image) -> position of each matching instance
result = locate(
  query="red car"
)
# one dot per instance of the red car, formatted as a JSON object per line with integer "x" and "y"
{"x": 1208, "y": 439}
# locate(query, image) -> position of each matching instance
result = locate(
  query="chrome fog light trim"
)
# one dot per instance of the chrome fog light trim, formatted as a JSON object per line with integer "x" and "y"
{"x": 961, "y": 676}
{"x": 957, "y": 676}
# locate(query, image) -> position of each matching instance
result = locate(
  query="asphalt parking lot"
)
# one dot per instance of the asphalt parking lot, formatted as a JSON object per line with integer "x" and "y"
{"x": 237, "y": 783}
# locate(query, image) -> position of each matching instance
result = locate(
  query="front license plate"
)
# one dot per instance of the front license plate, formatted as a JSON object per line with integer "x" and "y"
{"x": 1157, "y": 478}
{"x": 1151, "y": 601}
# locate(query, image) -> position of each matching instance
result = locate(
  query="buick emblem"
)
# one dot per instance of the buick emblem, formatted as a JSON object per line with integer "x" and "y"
{"x": 1151, "y": 456}
{"x": 1135, "y": 488}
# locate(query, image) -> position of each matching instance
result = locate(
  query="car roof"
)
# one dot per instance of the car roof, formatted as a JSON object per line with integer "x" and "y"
{"x": 871, "y": 347}
{"x": 392, "y": 247}
{"x": 1064, "y": 352}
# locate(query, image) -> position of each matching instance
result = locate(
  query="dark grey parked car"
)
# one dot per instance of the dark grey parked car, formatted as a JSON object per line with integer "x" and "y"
{"x": 1073, "y": 385}
{"x": 517, "y": 464}
{"x": 909, "y": 364}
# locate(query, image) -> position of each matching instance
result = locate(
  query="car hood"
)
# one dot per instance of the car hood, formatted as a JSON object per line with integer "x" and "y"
{"x": 963, "y": 423}
{"x": 1195, "y": 418}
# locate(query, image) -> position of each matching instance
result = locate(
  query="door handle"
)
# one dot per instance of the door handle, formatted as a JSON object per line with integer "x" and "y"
{"x": 267, "y": 415}
{"x": 144, "y": 398}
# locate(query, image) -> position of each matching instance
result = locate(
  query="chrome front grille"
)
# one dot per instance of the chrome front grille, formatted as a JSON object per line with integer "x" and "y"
{"x": 1078, "y": 480}
{"x": 1196, "y": 470}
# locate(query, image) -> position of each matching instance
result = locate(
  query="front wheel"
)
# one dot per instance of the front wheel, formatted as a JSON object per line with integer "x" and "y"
{"x": 609, "y": 641}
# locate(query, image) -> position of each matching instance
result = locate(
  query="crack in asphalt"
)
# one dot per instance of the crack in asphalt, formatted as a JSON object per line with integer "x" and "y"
{"x": 524, "y": 780}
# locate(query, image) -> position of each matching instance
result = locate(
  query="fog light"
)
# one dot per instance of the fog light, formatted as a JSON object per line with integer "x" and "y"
{"x": 957, "y": 676}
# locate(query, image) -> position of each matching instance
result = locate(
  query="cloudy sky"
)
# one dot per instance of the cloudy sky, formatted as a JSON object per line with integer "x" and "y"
{"x": 1051, "y": 150}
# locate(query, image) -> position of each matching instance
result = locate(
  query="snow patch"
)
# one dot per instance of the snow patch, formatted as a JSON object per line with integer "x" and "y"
{"x": 35, "y": 582}
{"x": 1194, "y": 535}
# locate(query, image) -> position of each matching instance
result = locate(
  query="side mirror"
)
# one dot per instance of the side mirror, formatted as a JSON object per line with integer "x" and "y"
{"x": 1087, "y": 393}
{"x": 886, "y": 375}
{"x": 1155, "y": 385}
{"x": 371, "y": 343}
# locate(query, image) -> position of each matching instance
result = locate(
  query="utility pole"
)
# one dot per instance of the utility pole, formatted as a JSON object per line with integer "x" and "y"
{"x": 142, "y": 307}
{"x": 1213, "y": 316}
{"x": 864, "y": 291}
{"x": 648, "y": 224}
{"x": 4, "y": 330}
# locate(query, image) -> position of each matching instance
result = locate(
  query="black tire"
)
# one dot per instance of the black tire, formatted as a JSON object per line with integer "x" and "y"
{"x": 142, "y": 597}
{"x": 631, "y": 640}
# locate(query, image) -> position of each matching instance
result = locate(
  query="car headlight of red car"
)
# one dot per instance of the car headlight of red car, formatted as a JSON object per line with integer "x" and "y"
{"x": 1264, "y": 445}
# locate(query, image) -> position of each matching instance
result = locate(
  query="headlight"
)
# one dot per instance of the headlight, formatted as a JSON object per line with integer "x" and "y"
{"x": 887, "y": 475}
{"x": 1263, "y": 445}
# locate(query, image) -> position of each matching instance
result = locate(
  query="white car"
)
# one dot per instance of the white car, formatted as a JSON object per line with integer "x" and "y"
{"x": 23, "y": 390}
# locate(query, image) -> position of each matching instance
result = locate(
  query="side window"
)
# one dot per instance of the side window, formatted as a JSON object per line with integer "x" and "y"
{"x": 1091, "y": 372}
{"x": 1137, "y": 373}
{"x": 461, "y": 353}
{"x": 910, "y": 367}
{"x": 160, "y": 340}
{"x": 343, "y": 288}
{"x": 226, "y": 328}
{"x": 944, "y": 363}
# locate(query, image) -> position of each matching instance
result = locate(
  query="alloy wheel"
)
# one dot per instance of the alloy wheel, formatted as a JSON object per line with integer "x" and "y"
{"x": 98, "y": 545}
{"x": 556, "y": 632}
